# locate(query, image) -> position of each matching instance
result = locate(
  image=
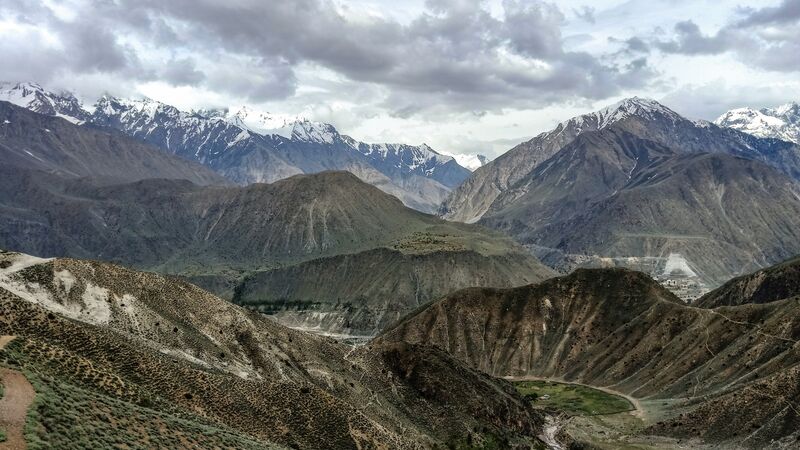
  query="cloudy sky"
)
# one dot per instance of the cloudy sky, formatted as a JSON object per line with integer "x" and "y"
{"x": 463, "y": 76}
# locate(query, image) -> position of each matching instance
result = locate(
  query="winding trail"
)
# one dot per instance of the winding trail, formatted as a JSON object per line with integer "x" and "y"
{"x": 17, "y": 398}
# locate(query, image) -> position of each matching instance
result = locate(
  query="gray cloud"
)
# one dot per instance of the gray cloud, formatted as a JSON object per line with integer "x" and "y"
{"x": 585, "y": 13}
{"x": 182, "y": 71}
{"x": 689, "y": 40}
{"x": 455, "y": 51}
{"x": 768, "y": 38}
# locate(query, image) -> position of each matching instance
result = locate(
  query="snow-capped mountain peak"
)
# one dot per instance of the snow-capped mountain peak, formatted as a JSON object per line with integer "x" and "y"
{"x": 471, "y": 162}
{"x": 34, "y": 97}
{"x": 637, "y": 107}
{"x": 249, "y": 145}
{"x": 110, "y": 105}
{"x": 789, "y": 110}
{"x": 287, "y": 126}
{"x": 629, "y": 107}
{"x": 782, "y": 122}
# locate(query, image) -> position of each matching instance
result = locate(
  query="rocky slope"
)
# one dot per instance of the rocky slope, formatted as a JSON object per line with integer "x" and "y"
{"x": 729, "y": 374}
{"x": 118, "y": 356}
{"x": 635, "y": 183}
{"x": 248, "y": 146}
{"x": 614, "y": 195}
{"x": 361, "y": 293}
{"x": 646, "y": 119}
{"x": 217, "y": 236}
{"x": 30, "y": 140}
{"x": 781, "y": 123}
{"x": 764, "y": 286}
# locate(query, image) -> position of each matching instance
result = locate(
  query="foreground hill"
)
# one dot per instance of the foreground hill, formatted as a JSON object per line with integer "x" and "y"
{"x": 218, "y": 236}
{"x": 52, "y": 144}
{"x": 730, "y": 374}
{"x": 119, "y": 357}
{"x": 636, "y": 182}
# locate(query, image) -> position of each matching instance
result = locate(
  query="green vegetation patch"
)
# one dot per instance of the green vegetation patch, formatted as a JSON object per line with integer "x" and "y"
{"x": 66, "y": 416}
{"x": 572, "y": 398}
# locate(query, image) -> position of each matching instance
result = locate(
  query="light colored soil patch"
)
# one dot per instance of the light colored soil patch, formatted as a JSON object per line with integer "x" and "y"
{"x": 5, "y": 339}
{"x": 17, "y": 398}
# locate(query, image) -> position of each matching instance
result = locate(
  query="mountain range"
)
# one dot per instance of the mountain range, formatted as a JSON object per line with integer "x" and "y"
{"x": 782, "y": 122}
{"x": 203, "y": 280}
{"x": 637, "y": 181}
{"x": 325, "y": 251}
{"x": 247, "y": 146}
{"x": 40, "y": 142}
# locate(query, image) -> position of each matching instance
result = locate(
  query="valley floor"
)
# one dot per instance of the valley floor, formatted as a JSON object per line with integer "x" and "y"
{"x": 580, "y": 414}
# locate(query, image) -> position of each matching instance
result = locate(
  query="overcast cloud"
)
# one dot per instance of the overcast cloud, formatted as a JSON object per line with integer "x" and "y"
{"x": 448, "y": 72}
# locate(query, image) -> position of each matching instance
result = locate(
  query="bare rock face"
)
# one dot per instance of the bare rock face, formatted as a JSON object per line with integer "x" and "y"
{"x": 730, "y": 373}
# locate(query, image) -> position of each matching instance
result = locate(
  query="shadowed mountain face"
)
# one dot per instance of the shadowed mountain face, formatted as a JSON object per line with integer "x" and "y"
{"x": 164, "y": 364}
{"x": 764, "y": 286}
{"x": 219, "y": 235}
{"x": 34, "y": 141}
{"x": 362, "y": 293}
{"x": 726, "y": 371}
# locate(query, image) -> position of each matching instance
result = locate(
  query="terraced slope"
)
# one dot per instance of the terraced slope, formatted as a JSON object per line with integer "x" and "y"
{"x": 724, "y": 371}
{"x": 217, "y": 236}
{"x": 120, "y": 357}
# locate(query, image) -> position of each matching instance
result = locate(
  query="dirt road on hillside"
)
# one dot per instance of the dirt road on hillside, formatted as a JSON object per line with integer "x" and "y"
{"x": 18, "y": 395}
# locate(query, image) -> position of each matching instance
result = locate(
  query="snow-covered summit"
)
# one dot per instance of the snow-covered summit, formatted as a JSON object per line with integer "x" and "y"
{"x": 471, "y": 162}
{"x": 34, "y": 97}
{"x": 110, "y": 106}
{"x": 268, "y": 124}
{"x": 782, "y": 122}
{"x": 644, "y": 108}
{"x": 256, "y": 145}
